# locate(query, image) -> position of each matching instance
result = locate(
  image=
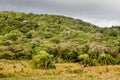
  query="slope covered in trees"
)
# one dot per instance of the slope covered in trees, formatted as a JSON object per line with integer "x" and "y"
{"x": 23, "y": 36}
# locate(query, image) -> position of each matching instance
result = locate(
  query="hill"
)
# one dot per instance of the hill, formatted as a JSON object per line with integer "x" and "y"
{"x": 24, "y": 35}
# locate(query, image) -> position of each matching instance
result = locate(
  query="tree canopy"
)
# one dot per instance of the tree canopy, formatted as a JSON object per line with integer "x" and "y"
{"x": 23, "y": 35}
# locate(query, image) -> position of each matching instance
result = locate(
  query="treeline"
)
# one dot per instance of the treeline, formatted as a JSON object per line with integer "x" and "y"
{"x": 23, "y": 36}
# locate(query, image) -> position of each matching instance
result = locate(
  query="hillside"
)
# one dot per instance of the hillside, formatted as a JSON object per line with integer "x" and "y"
{"x": 24, "y": 35}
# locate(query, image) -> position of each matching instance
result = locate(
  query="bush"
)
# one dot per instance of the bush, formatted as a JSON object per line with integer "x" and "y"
{"x": 106, "y": 59}
{"x": 6, "y": 55}
{"x": 55, "y": 40}
{"x": 94, "y": 62}
{"x": 13, "y": 35}
{"x": 70, "y": 57}
{"x": 84, "y": 58}
{"x": 118, "y": 59}
{"x": 23, "y": 55}
{"x": 43, "y": 60}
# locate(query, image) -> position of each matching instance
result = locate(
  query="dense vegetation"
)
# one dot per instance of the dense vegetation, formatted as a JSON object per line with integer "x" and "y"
{"x": 23, "y": 36}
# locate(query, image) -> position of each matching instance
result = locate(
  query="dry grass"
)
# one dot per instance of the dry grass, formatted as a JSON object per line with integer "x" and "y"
{"x": 20, "y": 70}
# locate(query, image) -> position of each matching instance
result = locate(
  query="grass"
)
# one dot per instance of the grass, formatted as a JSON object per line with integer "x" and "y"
{"x": 20, "y": 70}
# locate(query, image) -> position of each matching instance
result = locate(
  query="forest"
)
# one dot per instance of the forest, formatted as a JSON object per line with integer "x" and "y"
{"x": 48, "y": 39}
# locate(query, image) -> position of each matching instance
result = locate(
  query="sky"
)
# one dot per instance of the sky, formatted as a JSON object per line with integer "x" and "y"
{"x": 103, "y": 13}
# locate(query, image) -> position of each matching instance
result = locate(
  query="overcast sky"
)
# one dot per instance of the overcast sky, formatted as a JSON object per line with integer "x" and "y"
{"x": 99, "y": 12}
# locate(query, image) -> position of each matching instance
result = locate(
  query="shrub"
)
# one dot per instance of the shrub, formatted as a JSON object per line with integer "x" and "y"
{"x": 6, "y": 55}
{"x": 23, "y": 55}
{"x": 70, "y": 57}
{"x": 94, "y": 62}
{"x": 43, "y": 60}
{"x": 48, "y": 35}
{"x": 106, "y": 59}
{"x": 55, "y": 40}
{"x": 118, "y": 59}
{"x": 84, "y": 58}
{"x": 13, "y": 35}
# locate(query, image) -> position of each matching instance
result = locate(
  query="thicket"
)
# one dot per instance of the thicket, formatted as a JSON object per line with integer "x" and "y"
{"x": 23, "y": 36}
{"x": 43, "y": 60}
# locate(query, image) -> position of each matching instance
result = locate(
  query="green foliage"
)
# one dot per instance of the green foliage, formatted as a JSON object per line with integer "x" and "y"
{"x": 43, "y": 60}
{"x": 23, "y": 35}
{"x": 13, "y": 35}
{"x": 55, "y": 40}
{"x": 106, "y": 59}
{"x": 84, "y": 58}
{"x": 94, "y": 62}
{"x": 70, "y": 57}
{"x": 6, "y": 55}
{"x": 118, "y": 59}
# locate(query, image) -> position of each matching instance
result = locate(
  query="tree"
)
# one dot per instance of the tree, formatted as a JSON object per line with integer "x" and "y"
{"x": 43, "y": 60}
